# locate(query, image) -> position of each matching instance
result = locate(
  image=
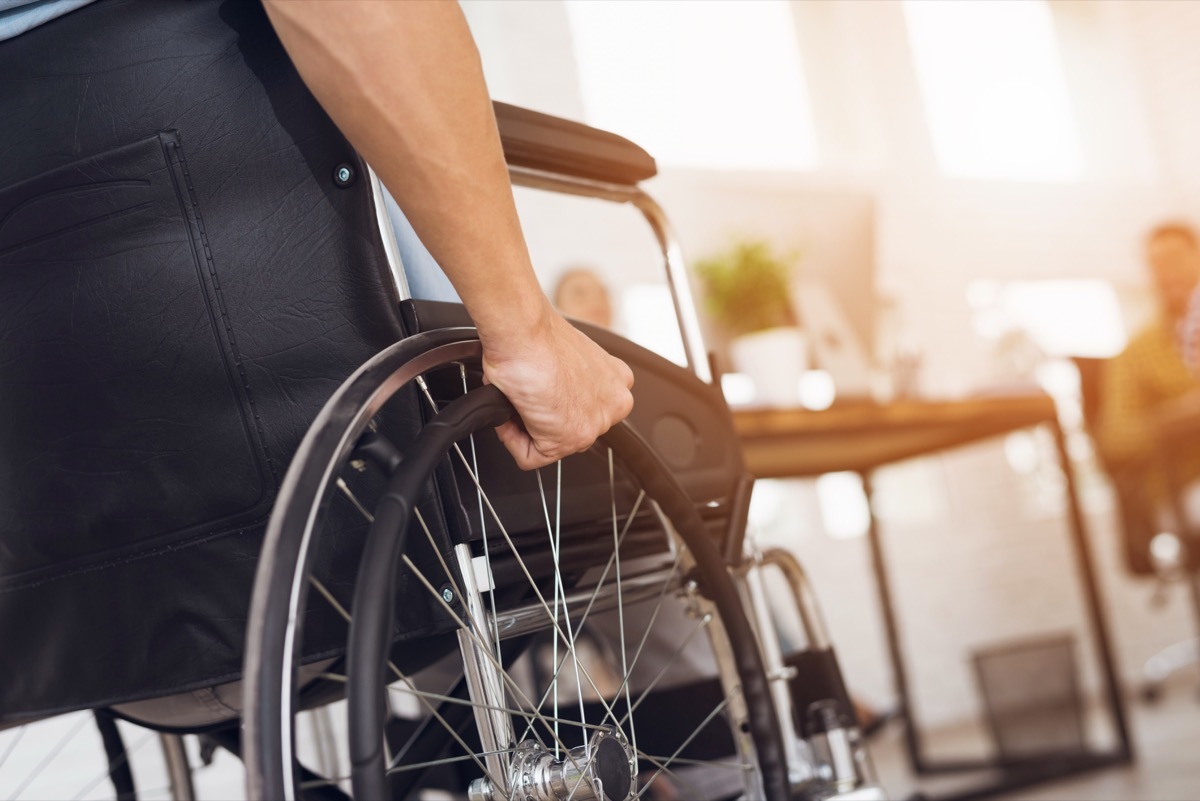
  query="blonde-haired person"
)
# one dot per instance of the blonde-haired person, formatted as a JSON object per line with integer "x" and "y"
{"x": 580, "y": 293}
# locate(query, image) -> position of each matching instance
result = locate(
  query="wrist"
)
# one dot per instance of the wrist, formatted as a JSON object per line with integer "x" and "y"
{"x": 512, "y": 328}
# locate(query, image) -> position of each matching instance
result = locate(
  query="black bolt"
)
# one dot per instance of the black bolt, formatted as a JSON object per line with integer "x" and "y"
{"x": 343, "y": 175}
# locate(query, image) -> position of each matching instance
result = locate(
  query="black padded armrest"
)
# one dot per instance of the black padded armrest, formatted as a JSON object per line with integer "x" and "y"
{"x": 543, "y": 142}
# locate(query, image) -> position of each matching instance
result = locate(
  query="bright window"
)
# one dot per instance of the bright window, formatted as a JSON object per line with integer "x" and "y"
{"x": 1065, "y": 317}
{"x": 714, "y": 84}
{"x": 994, "y": 90}
{"x": 845, "y": 510}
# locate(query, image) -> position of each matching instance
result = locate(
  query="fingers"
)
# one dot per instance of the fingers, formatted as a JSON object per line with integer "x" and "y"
{"x": 566, "y": 389}
{"x": 626, "y": 374}
{"x": 521, "y": 447}
{"x": 530, "y": 454}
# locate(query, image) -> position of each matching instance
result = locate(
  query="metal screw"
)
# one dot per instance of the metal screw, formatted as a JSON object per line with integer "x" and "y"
{"x": 359, "y": 465}
{"x": 343, "y": 175}
{"x": 447, "y": 595}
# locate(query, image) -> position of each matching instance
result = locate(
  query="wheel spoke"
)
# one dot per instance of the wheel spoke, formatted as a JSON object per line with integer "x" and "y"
{"x": 661, "y": 764}
{"x": 449, "y": 699}
{"x": 50, "y": 756}
{"x": 495, "y": 663}
{"x": 560, "y": 592}
{"x": 341, "y": 482}
{"x": 666, "y": 665}
{"x": 521, "y": 562}
{"x": 321, "y": 588}
{"x": 612, "y": 492}
{"x": 708, "y": 763}
{"x": 533, "y": 584}
{"x": 596, "y": 593}
{"x": 12, "y": 744}
{"x": 662, "y": 594}
{"x": 118, "y": 762}
{"x": 687, "y": 742}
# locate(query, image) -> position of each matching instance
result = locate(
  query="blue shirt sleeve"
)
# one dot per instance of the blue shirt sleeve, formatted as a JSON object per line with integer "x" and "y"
{"x": 18, "y": 16}
{"x": 426, "y": 281}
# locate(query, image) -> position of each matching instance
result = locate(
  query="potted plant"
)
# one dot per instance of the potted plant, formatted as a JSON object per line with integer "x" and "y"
{"x": 747, "y": 292}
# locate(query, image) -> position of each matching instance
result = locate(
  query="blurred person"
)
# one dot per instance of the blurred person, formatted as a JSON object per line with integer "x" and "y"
{"x": 581, "y": 294}
{"x": 1150, "y": 376}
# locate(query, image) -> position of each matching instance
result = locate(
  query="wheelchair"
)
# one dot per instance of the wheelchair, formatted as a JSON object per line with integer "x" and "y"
{"x": 593, "y": 630}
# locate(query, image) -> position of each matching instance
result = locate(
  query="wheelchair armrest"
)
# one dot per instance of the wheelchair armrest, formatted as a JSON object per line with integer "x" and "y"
{"x": 544, "y": 142}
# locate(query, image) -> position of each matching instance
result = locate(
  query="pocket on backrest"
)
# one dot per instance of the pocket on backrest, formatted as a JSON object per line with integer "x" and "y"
{"x": 124, "y": 422}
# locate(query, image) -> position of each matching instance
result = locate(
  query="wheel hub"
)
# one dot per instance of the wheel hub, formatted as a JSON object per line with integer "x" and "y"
{"x": 603, "y": 770}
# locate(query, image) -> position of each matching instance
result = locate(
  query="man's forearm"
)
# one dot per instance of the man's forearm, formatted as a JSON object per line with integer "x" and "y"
{"x": 403, "y": 82}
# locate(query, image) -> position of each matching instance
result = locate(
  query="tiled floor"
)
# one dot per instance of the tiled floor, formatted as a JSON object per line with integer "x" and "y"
{"x": 1166, "y": 738}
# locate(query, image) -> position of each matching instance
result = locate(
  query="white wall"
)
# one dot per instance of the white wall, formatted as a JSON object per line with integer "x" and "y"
{"x": 983, "y": 565}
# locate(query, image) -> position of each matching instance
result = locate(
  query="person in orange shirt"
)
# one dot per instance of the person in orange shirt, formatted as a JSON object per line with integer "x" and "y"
{"x": 1150, "y": 376}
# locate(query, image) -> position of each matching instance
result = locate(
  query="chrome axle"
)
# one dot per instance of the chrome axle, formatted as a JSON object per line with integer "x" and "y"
{"x": 603, "y": 770}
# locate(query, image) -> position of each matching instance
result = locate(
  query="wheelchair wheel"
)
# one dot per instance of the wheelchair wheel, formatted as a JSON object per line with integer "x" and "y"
{"x": 461, "y": 654}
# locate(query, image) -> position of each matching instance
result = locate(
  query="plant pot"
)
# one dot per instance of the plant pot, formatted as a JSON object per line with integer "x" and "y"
{"x": 774, "y": 360}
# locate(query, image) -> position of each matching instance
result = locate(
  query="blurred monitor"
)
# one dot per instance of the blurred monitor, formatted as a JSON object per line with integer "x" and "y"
{"x": 833, "y": 343}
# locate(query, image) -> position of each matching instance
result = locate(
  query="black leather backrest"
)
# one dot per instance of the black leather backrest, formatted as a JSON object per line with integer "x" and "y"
{"x": 182, "y": 286}
{"x": 182, "y": 282}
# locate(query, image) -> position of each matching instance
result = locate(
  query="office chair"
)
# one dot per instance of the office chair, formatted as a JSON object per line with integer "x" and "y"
{"x": 1147, "y": 550}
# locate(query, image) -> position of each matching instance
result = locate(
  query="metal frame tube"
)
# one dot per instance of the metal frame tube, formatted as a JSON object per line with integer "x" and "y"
{"x": 763, "y": 619}
{"x": 678, "y": 280}
{"x": 532, "y": 617}
{"x": 802, "y": 591}
{"x": 486, "y": 689}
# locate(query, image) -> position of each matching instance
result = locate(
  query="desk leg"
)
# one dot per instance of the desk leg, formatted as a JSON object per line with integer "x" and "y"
{"x": 1095, "y": 610}
{"x": 912, "y": 740}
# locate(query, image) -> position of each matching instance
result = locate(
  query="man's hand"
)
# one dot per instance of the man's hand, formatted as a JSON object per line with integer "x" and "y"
{"x": 566, "y": 388}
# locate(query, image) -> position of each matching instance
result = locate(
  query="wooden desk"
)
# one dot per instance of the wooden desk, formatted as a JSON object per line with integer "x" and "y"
{"x": 781, "y": 443}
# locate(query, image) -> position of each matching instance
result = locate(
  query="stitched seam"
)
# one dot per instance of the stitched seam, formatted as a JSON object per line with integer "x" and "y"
{"x": 213, "y": 703}
{"x": 220, "y": 298}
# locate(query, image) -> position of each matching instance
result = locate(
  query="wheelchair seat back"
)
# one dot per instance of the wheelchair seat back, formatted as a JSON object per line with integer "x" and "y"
{"x": 183, "y": 283}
